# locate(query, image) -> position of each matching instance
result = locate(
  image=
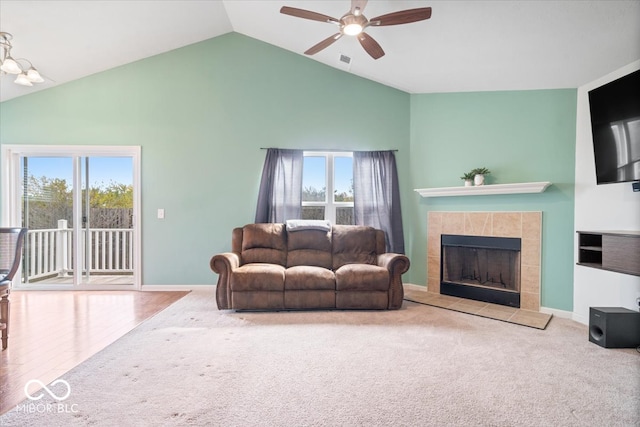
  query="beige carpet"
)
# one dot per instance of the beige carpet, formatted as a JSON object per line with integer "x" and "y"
{"x": 419, "y": 366}
{"x": 532, "y": 319}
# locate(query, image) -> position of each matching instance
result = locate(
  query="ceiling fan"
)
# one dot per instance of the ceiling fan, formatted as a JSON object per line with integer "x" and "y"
{"x": 353, "y": 23}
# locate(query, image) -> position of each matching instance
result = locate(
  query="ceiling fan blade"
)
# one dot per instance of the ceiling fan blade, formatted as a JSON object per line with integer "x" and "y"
{"x": 370, "y": 45}
{"x": 402, "y": 17}
{"x": 323, "y": 44}
{"x": 357, "y": 6}
{"x": 307, "y": 14}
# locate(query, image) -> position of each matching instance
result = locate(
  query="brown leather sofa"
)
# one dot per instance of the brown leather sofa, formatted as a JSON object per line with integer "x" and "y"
{"x": 275, "y": 267}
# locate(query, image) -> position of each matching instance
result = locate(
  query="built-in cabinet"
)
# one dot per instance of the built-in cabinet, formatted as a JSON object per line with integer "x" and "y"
{"x": 610, "y": 250}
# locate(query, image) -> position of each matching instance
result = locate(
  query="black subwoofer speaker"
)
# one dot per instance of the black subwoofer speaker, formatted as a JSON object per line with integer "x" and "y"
{"x": 614, "y": 327}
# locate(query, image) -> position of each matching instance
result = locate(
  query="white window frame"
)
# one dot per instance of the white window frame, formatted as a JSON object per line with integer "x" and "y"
{"x": 330, "y": 205}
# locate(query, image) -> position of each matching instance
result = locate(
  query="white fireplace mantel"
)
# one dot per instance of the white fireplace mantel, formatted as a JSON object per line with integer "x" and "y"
{"x": 479, "y": 190}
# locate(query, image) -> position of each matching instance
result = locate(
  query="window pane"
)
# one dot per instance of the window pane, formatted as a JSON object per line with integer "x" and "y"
{"x": 313, "y": 212}
{"x": 343, "y": 179}
{"x": 344, "y": 215}
{"x": 314, "y": 180}
{"x": 48, "y": 191}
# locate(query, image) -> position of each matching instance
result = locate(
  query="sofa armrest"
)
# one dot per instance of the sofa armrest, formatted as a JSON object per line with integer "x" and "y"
{"x": 224, "y": 264}
{"x": 396, "y": 264}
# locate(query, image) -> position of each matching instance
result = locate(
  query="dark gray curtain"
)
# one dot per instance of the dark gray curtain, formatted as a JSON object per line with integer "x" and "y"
{"x": 377, "y": 195}
{"x": 280, "y": 196}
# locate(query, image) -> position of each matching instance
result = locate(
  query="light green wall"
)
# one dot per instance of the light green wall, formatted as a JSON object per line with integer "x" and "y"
{"x": 521, "y": 136}
{"x": 201, "y": 114}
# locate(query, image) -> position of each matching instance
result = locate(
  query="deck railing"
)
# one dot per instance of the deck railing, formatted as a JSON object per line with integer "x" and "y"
{"x": 49, "y": 252}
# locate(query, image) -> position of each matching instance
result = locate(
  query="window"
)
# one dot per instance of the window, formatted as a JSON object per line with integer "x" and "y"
{"x": 327, "y": 187}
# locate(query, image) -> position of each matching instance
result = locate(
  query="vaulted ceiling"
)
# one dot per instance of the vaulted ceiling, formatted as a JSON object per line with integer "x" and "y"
{"x": 464, "y": 46}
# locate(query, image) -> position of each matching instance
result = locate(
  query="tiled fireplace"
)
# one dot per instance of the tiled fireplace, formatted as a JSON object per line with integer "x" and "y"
{"x": 525, "y": 227}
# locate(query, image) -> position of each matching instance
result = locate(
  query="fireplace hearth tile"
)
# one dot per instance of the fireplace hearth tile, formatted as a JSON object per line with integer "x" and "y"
{"x": 530, "y": 280}
{"x": 498, "y": 312}
{"x": 531, "y": 225}
{"x": 444, "y": 300}
{"x": 434, "y": 265}
{"x": 531, "y": 252}
{"x": 529, "y": 301}
{"x": 478, "y": 224}
{"x": 507, "y": 224}
{"x": 533, "y": 319}
{"x": 453, "y": 223}
{"x": 468, "y": 306}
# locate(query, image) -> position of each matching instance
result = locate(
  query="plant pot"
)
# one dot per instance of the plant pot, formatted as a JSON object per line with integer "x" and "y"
{"x": 478, "y": 179}
{"x": 468, "y": 183}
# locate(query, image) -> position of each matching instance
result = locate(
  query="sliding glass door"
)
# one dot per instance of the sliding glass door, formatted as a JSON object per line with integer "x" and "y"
{"x": 107, "y": 245}
{"x": 79, "y": 204}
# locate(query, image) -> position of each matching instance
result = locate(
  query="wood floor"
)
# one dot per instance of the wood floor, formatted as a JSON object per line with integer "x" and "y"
{"x": 53, "y": 331}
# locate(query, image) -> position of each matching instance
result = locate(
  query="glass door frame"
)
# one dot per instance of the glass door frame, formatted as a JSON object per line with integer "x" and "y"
{"x": 11, "y": 192}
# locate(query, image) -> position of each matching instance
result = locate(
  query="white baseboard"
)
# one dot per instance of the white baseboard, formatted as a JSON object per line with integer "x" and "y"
{"x": 580, "y": 319}
{"x": 151, "y": 288}
{"x": 559, "y": 313}
{"x": 565, "y": 315}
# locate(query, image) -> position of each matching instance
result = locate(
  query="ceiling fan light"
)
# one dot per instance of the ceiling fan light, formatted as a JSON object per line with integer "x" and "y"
{"x": 34, "y": 76}
{"x": 23, "y": 80}
{"x": 9, "y": 65}
{"x": 352, "y": 29}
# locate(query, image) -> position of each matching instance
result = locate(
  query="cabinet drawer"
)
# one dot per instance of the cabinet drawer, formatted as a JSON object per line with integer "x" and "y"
{"x": 621, "y": 253}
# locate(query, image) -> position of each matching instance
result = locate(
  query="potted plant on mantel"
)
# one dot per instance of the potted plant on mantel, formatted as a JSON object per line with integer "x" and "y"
{"x": 468, "y": 179}
{"x": 479, "y": 174}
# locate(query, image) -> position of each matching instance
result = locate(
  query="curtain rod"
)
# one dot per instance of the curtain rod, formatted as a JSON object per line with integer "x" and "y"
{"x": 324, "y": 149}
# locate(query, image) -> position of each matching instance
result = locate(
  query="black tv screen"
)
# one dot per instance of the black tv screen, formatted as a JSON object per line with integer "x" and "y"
{"x": 615, "y": 126}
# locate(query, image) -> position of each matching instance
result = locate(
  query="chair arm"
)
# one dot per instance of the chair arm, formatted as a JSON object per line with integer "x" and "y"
{"x": 224, "y": 264}
{"x": 396, "y": 264}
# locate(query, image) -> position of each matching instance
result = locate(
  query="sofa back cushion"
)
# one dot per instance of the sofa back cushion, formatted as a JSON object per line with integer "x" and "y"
{"x": 264, "y": 243}
{"x": 355, "y": 244}
{"x": 309, "y": 247}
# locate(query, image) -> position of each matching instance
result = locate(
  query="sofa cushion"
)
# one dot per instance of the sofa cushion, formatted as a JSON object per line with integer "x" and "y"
{"x": 264, "y": 243}
{"x": 309, "y": 247}
{"x": 258, "y": 300}
{"x": 257, "y": 277}
{"x": 362, "y": 277}
{"x": 309, "y": 278}
{"x": 353, "y": 245}
{"x": 369, "y": 300}
{"x": 304, "y": 300}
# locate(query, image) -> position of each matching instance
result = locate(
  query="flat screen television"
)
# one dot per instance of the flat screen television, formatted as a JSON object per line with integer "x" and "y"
{"x": 615, "y": 126}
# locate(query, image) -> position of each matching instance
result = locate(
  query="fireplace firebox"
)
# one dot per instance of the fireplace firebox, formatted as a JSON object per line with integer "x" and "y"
{"x": 481, "y": 268}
